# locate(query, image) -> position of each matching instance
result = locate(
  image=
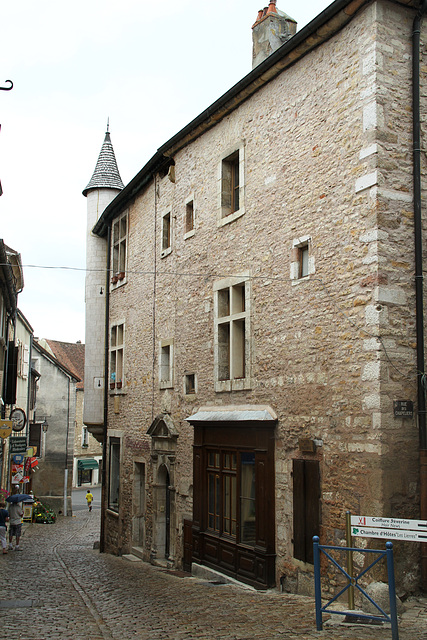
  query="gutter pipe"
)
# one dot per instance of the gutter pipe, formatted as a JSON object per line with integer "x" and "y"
{"x": 419, "y": 305}
{"x": 106, "y": 363}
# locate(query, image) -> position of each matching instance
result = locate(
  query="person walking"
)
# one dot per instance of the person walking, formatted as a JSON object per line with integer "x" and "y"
{"x": 4, "y": 517}
{"x": 89, "y": 499}
{"x": 15, "y": 528}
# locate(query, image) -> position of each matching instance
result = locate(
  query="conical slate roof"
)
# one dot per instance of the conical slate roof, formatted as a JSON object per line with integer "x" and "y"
{"x": 106, "y": 174}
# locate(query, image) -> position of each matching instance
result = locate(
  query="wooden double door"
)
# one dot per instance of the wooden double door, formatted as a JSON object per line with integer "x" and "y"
{"x": 234, "y": 516}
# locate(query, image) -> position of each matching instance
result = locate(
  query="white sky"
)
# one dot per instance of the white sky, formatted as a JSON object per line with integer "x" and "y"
{"x": 150, "y": 66}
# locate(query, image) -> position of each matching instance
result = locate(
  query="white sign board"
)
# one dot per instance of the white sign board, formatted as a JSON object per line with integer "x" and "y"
{"x": 390, "y": 523}
{"x": 389, "y": 534}
{"x": 389, "y": 528}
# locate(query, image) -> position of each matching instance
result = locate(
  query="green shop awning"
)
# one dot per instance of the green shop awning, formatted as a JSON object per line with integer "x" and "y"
{"x": 87, "y": 463}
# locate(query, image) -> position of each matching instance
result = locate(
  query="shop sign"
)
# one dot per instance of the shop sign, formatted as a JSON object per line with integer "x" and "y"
{"x": 18, "y": 444}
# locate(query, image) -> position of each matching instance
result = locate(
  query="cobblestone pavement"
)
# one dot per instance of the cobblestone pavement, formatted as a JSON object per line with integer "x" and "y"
{"x": 60, "y": 587}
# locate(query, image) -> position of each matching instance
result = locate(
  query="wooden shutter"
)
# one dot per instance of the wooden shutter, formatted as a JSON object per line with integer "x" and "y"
{"x": 11, "y": 374}
{"x": 306, "y": 494}
{"x": 35, "y": 437}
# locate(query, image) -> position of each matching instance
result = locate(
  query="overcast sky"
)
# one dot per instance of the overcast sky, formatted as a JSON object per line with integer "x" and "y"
{"x": 148, "y": 66}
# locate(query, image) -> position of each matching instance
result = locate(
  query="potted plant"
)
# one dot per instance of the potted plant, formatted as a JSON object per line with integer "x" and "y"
{"x": 115, "y": 279}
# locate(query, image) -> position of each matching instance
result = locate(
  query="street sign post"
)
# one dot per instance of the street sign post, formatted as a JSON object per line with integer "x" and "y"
{"x": 389, "y": 528}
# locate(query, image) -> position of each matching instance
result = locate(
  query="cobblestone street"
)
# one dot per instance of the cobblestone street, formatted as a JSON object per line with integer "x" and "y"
{"x": 60, "y": 587}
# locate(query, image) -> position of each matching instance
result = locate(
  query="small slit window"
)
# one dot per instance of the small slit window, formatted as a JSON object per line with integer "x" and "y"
{"x": 189, "y": 216}
{"x": 166, "y": 232}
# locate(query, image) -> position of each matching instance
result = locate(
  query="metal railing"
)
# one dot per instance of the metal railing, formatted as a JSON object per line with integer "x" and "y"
{"x": 353, "y": 583}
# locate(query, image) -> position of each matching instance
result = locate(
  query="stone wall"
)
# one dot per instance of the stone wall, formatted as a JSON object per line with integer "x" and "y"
{"x": 327, "y": 156}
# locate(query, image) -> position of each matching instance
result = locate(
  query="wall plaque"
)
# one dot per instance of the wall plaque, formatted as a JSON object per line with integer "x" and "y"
{"x": 403, "y": 408}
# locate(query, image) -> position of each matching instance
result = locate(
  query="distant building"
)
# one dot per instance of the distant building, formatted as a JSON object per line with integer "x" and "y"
{"x": 263, "y": 308}
{"x": 87, "y": 450}
{"x": 53, "y": 430}
{"x": 13, "y": 329}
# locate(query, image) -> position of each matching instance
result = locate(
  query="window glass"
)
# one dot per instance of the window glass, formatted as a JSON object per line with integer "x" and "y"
{"x": 231, "y": 333}
{"x": 116, "y": 355}
{"x": 233, "y": 481}
{"x": 247, "y": 498}
{"x": 230, "y": 186}
{"x": 166, "y": 237}
{"x": 119, "y": 239}
{"x": 303, "y": 255}
{"x": 114, "y": 475}
{"x": 189, "y": 217}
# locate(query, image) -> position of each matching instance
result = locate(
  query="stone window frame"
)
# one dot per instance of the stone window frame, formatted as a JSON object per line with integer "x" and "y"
{"x": 117, "y": 356}
{"x": 166, "y": 363}
{"x": 119, "y": 250}
{"x": 299, "y": 247}
{"x": 225, "y": 214}
{"x": 114, "y": 471}
{"x": 233, "y": 383}
{"x": 166, "y": 233}
{"x": 189, "y": 233}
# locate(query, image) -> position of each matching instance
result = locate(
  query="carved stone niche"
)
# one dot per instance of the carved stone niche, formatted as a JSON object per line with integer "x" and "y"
{"x": 163, "y": 437}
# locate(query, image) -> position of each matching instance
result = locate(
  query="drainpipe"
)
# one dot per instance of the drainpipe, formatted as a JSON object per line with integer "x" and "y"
{"x": 65, "y": 508}
{"x": 419, "y": 278}
{"x": 106, "y": 363}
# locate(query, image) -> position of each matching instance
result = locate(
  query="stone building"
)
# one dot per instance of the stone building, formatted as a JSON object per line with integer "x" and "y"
{"x": 87, "y": 451}
{"x": 13, "y": 328}
{"x": 53, "y": 429}
{"x": 263, "y": 318}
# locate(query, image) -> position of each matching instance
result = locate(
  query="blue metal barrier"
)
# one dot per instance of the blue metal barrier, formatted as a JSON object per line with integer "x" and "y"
{"x": 354, "y": 581}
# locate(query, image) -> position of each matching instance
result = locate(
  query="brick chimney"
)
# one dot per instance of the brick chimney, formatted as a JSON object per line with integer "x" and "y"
{"x": 271, "y": 29}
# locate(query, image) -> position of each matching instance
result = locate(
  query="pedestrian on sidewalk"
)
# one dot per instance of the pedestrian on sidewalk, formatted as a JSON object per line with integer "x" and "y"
{"x": 15, "y": 528}
{"x": 89, "y": 499}
{"x": 4, "y": 517}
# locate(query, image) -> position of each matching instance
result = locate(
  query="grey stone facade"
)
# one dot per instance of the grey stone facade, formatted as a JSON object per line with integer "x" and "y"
{"x": 56, "y": 405}
{"x": 324, "y": 171}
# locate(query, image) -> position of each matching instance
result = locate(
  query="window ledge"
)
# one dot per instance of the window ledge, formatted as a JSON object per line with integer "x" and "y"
{"x": 233, "y": 385}
{"x": 231, "y": 217}
{"x": 110, "y": 512}
{"x": 118, "y": 284}
{"x": 166, "y": 252}
{"x": 299, "y": 280}
{"x": 189, "y": 234}
{"x": 166, "y": 385}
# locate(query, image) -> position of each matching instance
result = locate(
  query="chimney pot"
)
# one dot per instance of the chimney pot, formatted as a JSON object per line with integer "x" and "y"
{"x": 272, "y": 7}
